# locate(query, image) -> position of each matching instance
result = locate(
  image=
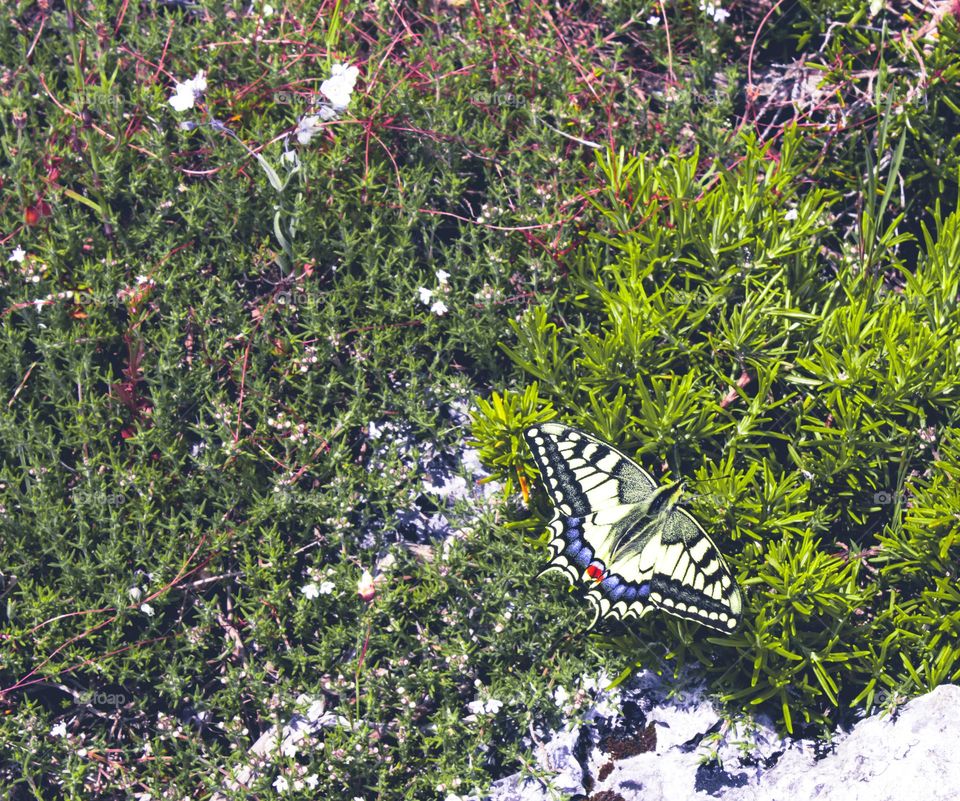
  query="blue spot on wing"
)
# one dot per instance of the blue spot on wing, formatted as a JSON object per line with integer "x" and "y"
{"x": 616, "y": 589}
{"x": 579, "y": 554}
{"x": 613, "y": 587}
{"x": 576, "y": 550}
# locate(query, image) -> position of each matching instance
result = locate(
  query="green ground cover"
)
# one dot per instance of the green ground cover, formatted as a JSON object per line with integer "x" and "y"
{"x": 242, "y": 336}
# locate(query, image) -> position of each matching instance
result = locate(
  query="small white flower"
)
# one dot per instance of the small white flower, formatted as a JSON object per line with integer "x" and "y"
{"x": 147, "y": 610}
{"x": 135, "y": 594}
{"x": 307, "y": 128}
{"x": 18, "y": 255}
{"x": 181, "y": 100}
{"x": 339, "y": 86}
{"x": 326, "y": 587}
{"x": 489, "y": 707}
{"x": 439, "y": 308}
{"x": 425, "y": 294}
{"x": 198, "y": 82}
{"x": 312, "y": 781}
{"x": 653, "y": 20}
{"x": 442, "y": 276}
{"x": 607, "y": 707}
{"x": 365, "y": 587}
{"x": 186, "y": 94}
{"x": 790, "y": 215}
{"x": 311, "y": 590}
{"x": 715, "y": 12}
{"x": 281, "y": 785}
{"x": 60, "y": 730}
{"x": 267, "y": 10}
{"x": 39, "y": 303}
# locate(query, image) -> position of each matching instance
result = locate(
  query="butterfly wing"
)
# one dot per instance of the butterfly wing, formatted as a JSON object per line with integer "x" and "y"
{"x": 598, "y": 496}
{"x": 620, "y": 536}
{"x": 692, "y": 579}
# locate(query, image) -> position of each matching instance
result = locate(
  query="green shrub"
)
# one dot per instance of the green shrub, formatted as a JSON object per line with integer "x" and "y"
{"x": 883, "y": 78}
{"x": 705, "y": 331}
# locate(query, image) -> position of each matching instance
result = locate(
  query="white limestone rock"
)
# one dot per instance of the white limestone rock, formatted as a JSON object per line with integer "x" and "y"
{"x": 678, "y": 749}
{"x": 884, "y": 758}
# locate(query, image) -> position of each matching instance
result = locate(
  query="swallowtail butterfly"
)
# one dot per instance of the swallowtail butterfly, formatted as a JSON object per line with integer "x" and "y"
{"x": 623, "y": 539}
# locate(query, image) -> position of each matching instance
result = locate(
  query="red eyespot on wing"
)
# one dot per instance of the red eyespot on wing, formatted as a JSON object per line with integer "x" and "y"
{"x": 595, "y": 573}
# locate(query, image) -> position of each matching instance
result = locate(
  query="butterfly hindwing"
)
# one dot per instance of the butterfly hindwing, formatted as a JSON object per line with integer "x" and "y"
{"x": 596, "y": 492}
{"x": 620, "y": 536}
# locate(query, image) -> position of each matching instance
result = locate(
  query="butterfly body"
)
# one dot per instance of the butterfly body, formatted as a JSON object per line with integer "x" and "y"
{"x": 624, "y": 539}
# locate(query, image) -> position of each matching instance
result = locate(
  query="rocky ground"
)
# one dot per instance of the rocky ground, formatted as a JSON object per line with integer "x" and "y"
{"x": 679, "y": 749}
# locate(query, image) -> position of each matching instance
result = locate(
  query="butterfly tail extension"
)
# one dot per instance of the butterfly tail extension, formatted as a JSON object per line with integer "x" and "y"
{"x": 597, "y": 610}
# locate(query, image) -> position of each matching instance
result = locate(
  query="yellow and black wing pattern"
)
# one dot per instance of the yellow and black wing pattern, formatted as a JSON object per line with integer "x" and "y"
{"x": 623, "y": 539}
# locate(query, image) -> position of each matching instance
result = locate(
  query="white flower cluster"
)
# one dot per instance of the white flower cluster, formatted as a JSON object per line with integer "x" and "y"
{"x": 438, "y": 307}
{"x": 187, "y": 93}
{"x": 479, "y": 707}
{"x": 338, "y": 89}
{"x": 716, "y": 12}
{"x": 314, "y": 590}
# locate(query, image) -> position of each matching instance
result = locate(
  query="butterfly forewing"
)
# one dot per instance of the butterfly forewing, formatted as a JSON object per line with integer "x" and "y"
{"x": 621, "y": 538}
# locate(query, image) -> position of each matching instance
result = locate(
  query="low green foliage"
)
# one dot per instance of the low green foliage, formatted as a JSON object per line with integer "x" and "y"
{"x": 224, "y": 369}
{"x": 889, "y": 74}
{"x": 200, "y": 357}
{"x": 811, "y": 410}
